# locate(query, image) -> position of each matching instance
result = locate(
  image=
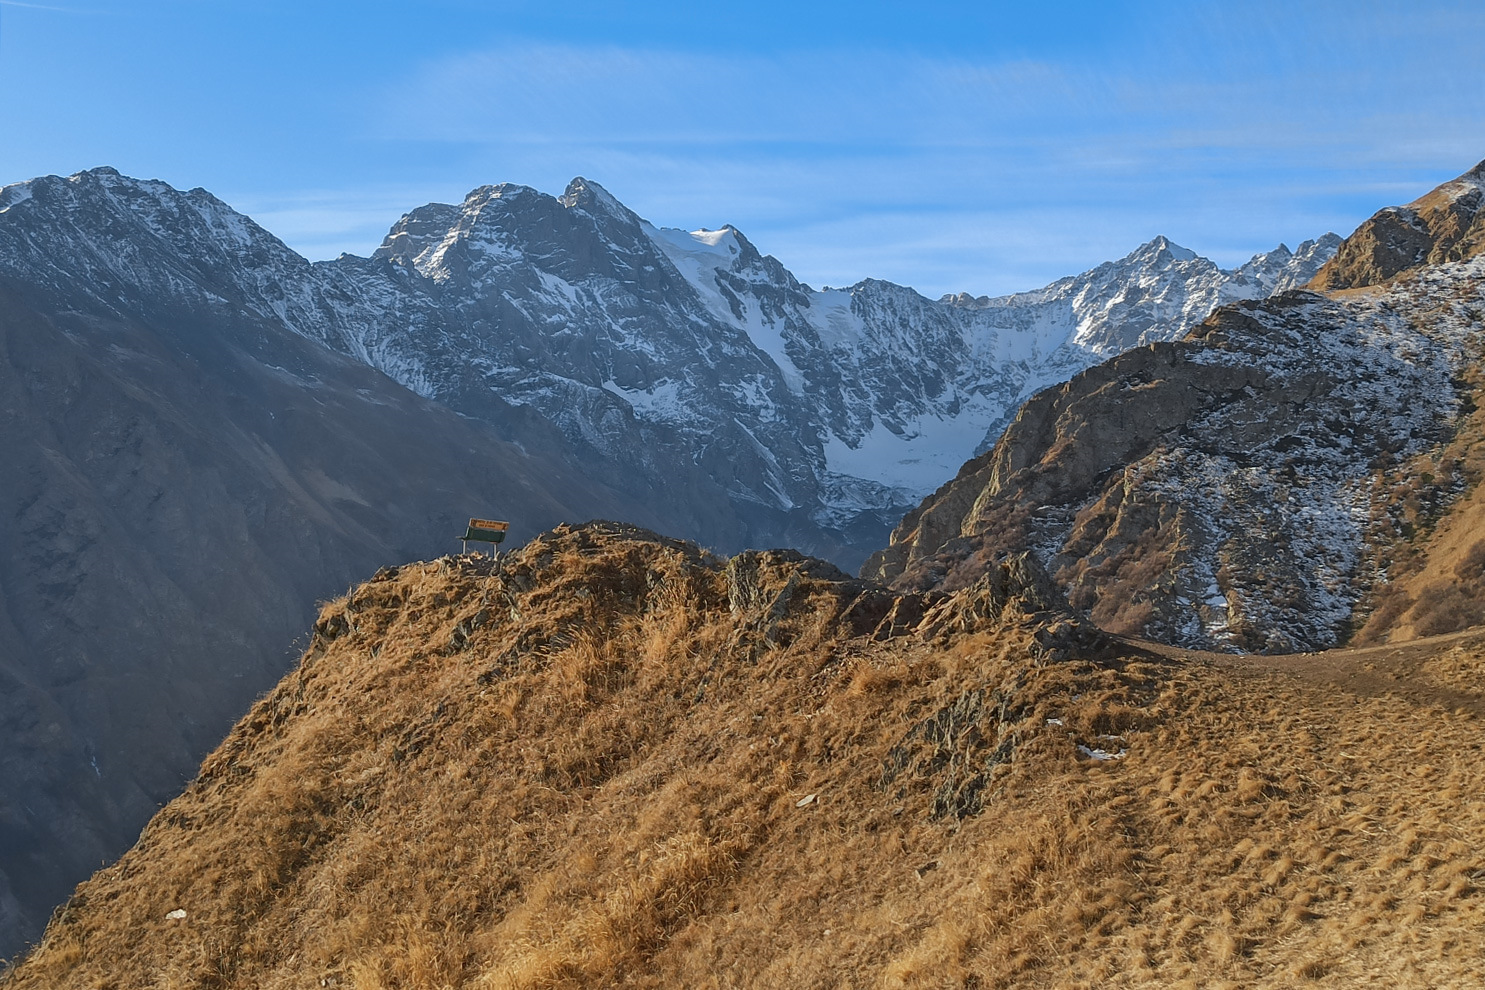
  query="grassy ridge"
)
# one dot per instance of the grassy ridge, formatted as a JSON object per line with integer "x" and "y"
{"x": 617, "y": 761}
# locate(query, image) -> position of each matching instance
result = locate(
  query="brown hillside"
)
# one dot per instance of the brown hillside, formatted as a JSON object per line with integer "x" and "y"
{"x": 1447, "y": 224}
{"x": 618, "y": 761}
{"x": 1436, "y": 574}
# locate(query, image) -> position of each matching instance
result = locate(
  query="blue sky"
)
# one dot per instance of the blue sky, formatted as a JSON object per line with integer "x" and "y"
{"x": 982, "y": 147}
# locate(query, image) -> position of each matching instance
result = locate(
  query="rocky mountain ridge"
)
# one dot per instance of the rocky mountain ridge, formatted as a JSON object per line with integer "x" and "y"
{"x": 858, "y": 400}
{"x": 1243, "y": 487}
{"x": 669, "y": 359}
{"x": 1444, "y": 225}
{"x": 201, "y": 441}
{"x": 616, "y": 760}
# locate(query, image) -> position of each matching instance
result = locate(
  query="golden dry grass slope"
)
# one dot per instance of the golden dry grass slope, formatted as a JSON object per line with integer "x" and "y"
{"x": 1446, "y": 224}
{"x": 618, "y": 761}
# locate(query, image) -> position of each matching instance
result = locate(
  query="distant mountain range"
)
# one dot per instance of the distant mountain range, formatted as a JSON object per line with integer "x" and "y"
{"x": 205, "y": 433}
{"x": 672, "y": 361}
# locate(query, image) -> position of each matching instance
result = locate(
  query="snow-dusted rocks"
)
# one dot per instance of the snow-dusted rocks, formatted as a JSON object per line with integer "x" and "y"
{"x": 820, "y": 415}
{"x": 1229, "y": 490}
{"x": 682, "y": 363}
{"x": 1447, "y": 224}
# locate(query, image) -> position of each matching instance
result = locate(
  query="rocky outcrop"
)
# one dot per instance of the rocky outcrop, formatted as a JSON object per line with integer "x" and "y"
{"x": 1223, "y": 491}
{"x": 1061, "y": 443}
{"x": 1446, "y": 225}
{"x": 596, "y": 669}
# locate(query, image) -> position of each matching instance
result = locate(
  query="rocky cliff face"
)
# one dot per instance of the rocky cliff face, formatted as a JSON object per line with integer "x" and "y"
{"x": 1446, "y": 225}
{"x": 1238, "y": 488}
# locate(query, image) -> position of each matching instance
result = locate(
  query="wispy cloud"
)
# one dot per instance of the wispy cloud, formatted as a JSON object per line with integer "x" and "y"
{"x": 47, "y": 6}
{"x": 847, "y": 144}
{"x": 955, "y": 174}
{"x": 1143, "y": 104}
{"x": 1228, "y": 131}
{"x": 546, "y": 93}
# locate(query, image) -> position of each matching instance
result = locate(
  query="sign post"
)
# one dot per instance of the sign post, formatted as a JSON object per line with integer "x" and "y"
{"x": 491, "y": 531}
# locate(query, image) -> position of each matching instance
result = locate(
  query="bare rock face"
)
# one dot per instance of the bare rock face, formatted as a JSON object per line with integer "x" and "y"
{"x": 1224, "y": 491}
{"x": 1446, "y": 225}
{"x": 1061, "y": 444}
{"x": 1243, "y": 488}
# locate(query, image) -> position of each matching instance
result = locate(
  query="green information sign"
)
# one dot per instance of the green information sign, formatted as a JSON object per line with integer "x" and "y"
{"x": 490, "y": 531}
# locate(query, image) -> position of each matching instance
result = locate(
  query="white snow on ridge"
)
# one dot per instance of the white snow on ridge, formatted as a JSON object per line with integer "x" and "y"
{"x": 830, "y": 314}
{"x": 14, "y": 194}
{"x": 663, "y": 403}
{"x": 994, "y": 340}
{"x": 226, "y": 221}
{"x": 698, "y": 255}
{"x": 924, "y": 456}
{"x": 1471, "y": 181}
{"x": 969, "y": 362}
{"x": 1292, "y": 543}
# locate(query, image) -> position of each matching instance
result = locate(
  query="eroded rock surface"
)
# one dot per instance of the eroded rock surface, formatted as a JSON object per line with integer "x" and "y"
{"x": 1227, "y": 490}
{"x": 1446, "y": 225}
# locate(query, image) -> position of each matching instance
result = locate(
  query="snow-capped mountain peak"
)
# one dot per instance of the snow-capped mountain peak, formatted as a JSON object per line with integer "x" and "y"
{"x": 14, "y": 194}
{"x": 585, "y": 194}
{"x": 1161, "y": 250}
{"x": 417, "y": 233}
{"x": 672, "y": 356}
{"x": 1281, "y": 269}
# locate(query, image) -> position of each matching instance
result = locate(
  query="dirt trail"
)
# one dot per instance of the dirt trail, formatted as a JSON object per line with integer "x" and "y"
{"x": 1388, "y": 668}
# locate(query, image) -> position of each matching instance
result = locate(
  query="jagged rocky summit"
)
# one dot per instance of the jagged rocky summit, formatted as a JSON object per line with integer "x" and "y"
{"x": 684, "y": 367}
{"x": 1248, "y": 486}
{"x": 821, "y": 415}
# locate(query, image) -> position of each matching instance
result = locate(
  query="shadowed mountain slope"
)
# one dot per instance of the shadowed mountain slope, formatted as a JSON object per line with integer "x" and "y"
{"x": 619, "y": 761}
{"x": 178, "y": 494}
